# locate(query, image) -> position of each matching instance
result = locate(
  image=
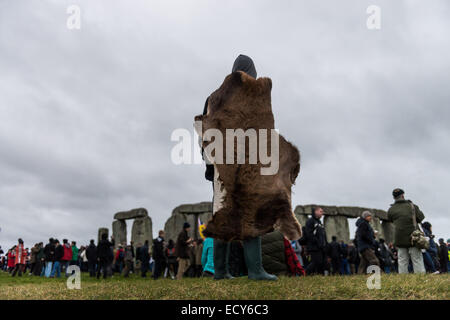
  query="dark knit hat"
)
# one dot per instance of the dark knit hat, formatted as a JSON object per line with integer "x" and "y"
{"x": 186, "y": 225}
{"x": 397, "y": 192}
{"x": 245, "y": 63}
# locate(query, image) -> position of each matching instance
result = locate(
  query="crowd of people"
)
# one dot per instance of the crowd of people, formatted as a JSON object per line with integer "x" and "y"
{"x": 367, "y": 249}
{"x": 101, "y": 259}
{"x": 188, "y": 257}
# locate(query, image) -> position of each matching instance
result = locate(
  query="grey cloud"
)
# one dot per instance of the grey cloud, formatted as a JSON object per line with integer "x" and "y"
{"x": 87, "y": 115}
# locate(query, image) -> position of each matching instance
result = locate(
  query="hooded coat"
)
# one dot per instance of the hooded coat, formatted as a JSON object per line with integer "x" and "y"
{"x": 253, "y": 204}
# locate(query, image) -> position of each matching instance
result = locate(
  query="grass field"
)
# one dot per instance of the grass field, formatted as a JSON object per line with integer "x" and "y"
{"x": 421, "y": 287}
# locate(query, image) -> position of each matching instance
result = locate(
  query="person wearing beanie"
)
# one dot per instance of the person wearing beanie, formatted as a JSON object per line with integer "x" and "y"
{"x": 406, "y": 216}
{"x": 182, "y": 250}
{"x": 252, "y": 247}
{"x": 365, "y": 238}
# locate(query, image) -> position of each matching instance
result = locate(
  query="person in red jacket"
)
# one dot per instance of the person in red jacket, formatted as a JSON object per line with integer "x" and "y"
{"x": 120, "y": 253}
{"x": 11, "y": 259}
{"x": 21, "y": 256}
{"x": 67, "y": 257}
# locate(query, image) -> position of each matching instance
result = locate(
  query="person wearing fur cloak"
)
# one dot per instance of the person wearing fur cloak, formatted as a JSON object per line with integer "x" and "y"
{"x": 249, "y": 199}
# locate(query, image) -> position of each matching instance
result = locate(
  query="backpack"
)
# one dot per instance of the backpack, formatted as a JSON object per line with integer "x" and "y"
{"x": 171, "y": 255}
{"x": 418, "y": 238}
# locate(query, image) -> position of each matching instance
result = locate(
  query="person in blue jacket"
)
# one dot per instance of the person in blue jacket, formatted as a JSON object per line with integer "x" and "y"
{"x": 208, "y": 257}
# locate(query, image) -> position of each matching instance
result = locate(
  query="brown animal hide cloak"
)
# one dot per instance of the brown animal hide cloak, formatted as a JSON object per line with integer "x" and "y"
{"x": 253, "y": 204}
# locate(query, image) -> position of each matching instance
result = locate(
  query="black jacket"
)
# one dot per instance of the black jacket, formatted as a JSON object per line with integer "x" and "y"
{"x": 334, "y": 250}
{"x": 386, "y": 255}
{"x": 144, "y": 255}
{"x": 352, "y": 255}
{"x": 365, "y": 236}
{"x": 104, "y": 251}
{"x": 344, "y": 251}
{"x": 443, "y": 254}
{"x": 316, "y": 237}
{"x": 158, "y": 249}
{"x": 49, "y": 252}
{"x": 59, "y": 252}
{"x": 91, "y": 253}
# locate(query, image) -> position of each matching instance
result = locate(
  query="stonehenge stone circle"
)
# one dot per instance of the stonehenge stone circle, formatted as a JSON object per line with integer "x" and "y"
{"x": 336, "y": 220}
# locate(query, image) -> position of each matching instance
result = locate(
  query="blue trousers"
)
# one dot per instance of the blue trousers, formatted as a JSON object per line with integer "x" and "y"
{"x": 56, "y": 269}
{"x": 48, "y": 268}
{"x": 345, "y": 267}
{"x": 428, "y": 261}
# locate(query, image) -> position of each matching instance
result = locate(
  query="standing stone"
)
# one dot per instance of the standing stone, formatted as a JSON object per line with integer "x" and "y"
{"x": 389, "y": 231}
{"x": 134, "y": 213}
{"x": 337, "y": 226}
{"x": 102, "y": 231}
{"x": 141, "y": 231}
{"x": 189, "y": 213}
{"x": 119, "y": 231}
{"x": 172, "y": 227}
{"x": 302, "y": 218}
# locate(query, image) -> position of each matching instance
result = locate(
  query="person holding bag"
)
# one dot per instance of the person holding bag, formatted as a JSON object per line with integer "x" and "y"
{"x": 409, "y": 239}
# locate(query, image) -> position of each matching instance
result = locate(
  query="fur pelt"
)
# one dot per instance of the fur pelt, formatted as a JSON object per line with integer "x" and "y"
{"x": 252, "y": 204}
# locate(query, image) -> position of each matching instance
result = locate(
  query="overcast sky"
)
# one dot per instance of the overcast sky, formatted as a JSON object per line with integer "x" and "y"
{"x": 86, "y": 115}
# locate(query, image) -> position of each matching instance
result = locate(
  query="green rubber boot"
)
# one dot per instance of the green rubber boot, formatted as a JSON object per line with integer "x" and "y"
{"x": 253, "y": 259}
{"x": 221, "y": 253}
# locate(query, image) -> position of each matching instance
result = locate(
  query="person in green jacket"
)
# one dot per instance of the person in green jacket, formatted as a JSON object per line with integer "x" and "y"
{"x": 74, "y": 254}
{"x": 40, "y": 260}
{"x": 401, "y": 213}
